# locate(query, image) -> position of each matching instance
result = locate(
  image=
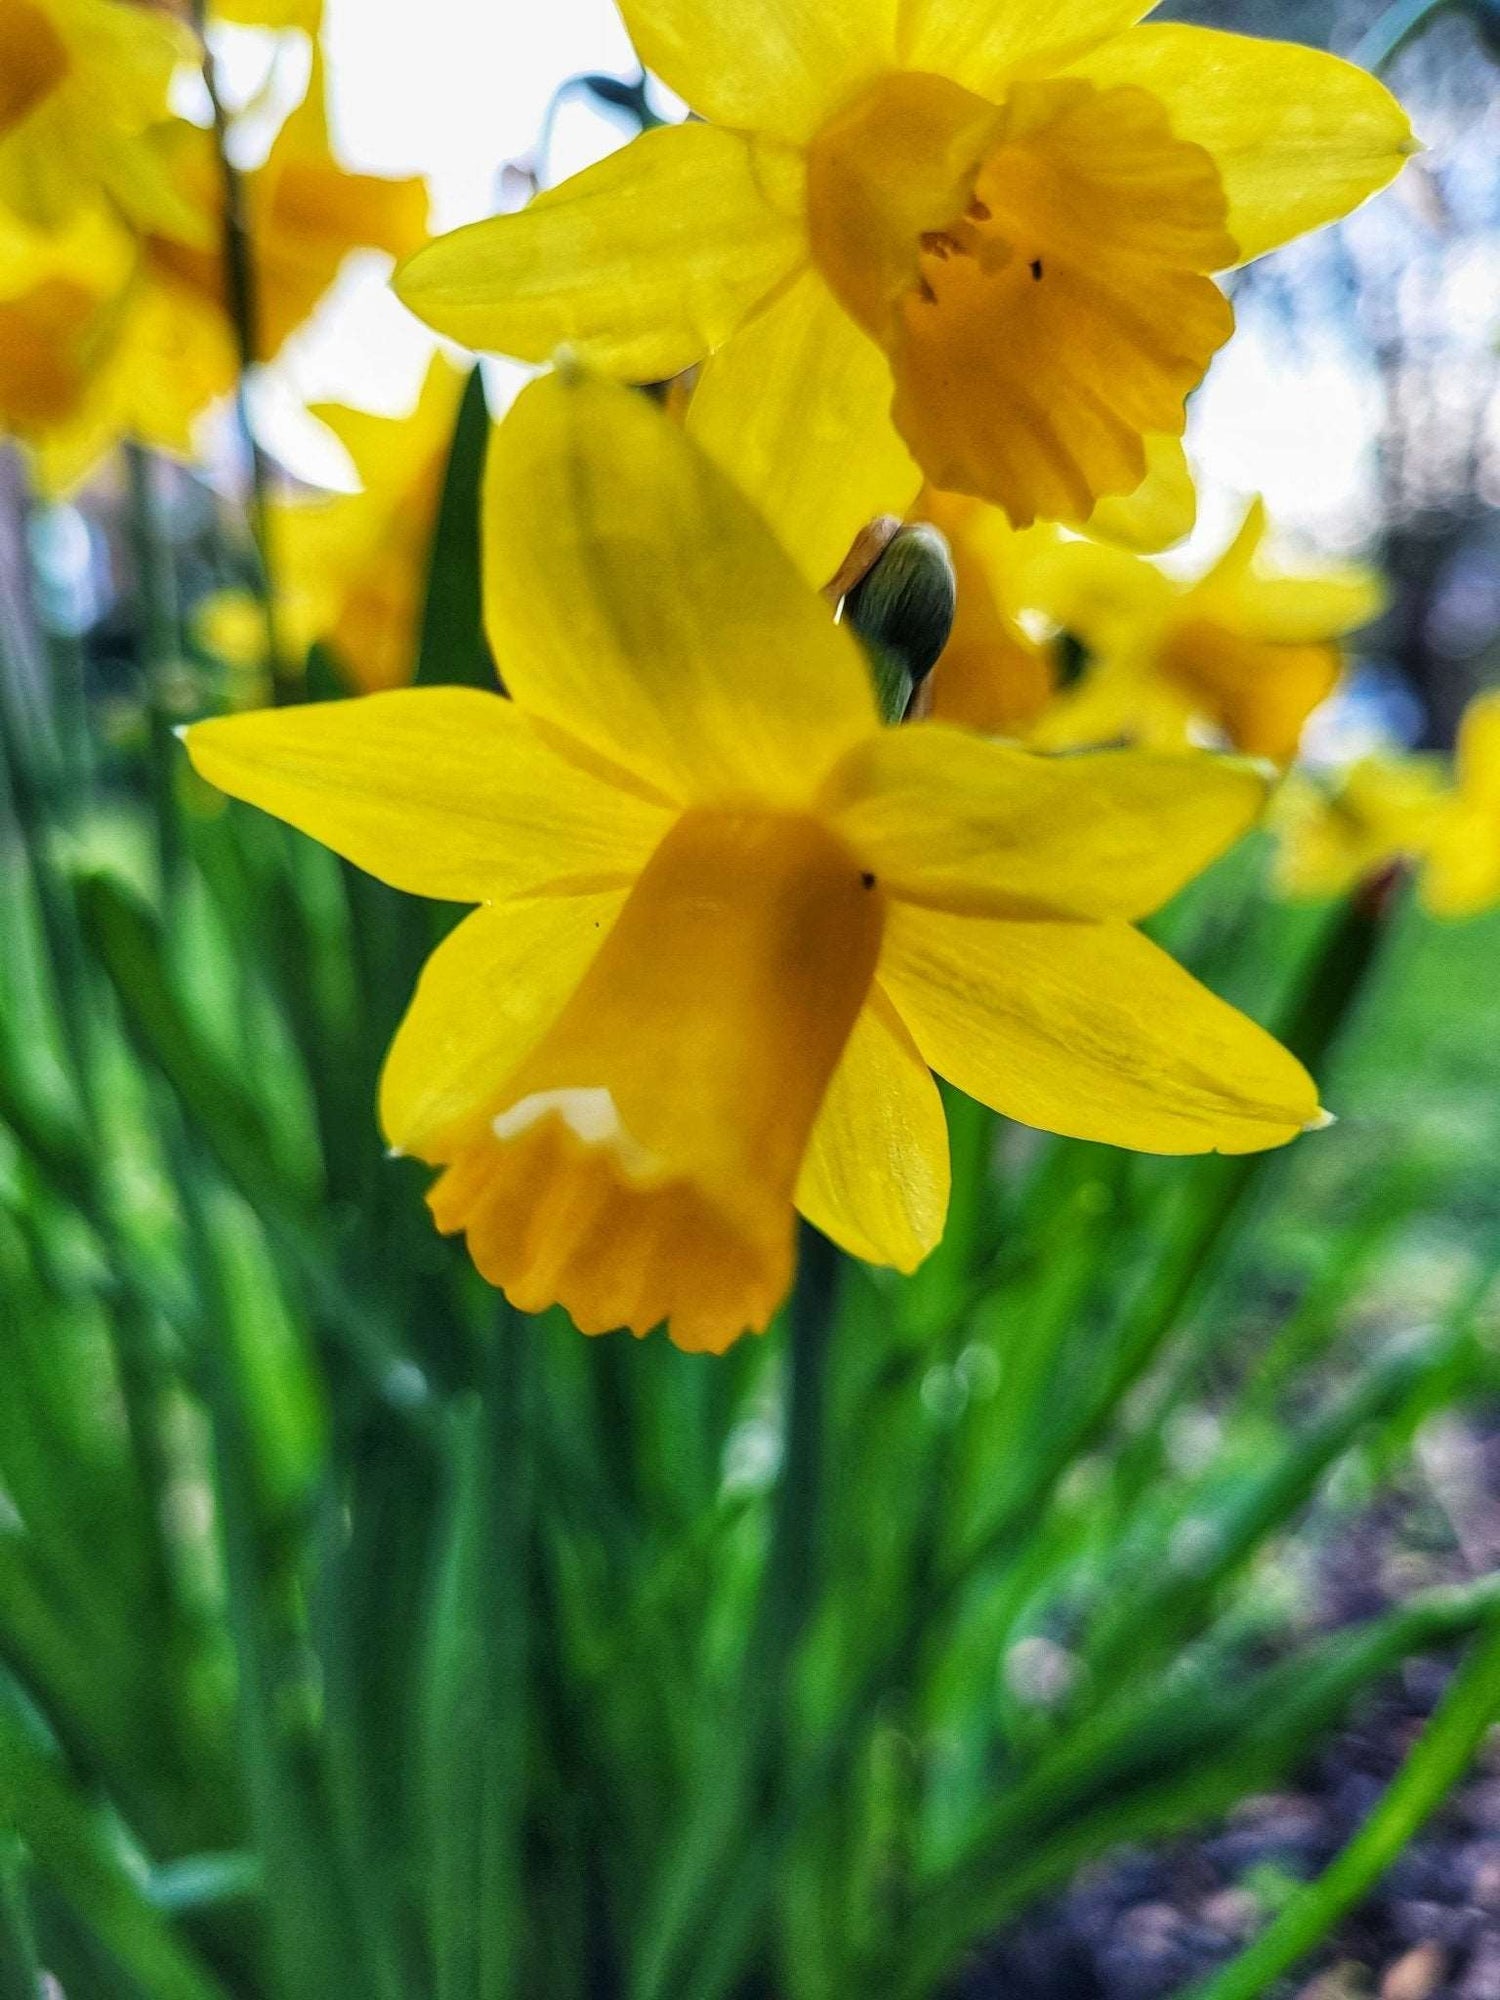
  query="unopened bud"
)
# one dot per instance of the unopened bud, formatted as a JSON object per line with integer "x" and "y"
{"x": 902, "y": 609}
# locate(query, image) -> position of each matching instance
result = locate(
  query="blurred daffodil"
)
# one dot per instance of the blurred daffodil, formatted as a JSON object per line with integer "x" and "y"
{"x": 1462, "y": 876}
{"x": 82, "y": 85}
{"x": 304, "y": 215}
{"x": 108, "y": 334}
{"x": 1333, "y": 835}
{"x": 351, "y": 569}
{"x": 973, "y": 237}
{"x": 729, "y": 920}
{"x": 997, "y": 674}
{"x": 1242, "y": 651}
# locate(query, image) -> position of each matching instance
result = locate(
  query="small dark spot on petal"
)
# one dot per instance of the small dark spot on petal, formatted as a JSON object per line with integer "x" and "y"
{"x": 868, "y": 879}
{"x": 979, "y": 211}
{"x": 1036, "y": 267}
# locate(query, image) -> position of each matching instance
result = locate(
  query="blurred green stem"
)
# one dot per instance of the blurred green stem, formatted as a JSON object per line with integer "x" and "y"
{"x": 156, "y": 614}
{"x": 1399, "y": 24}
{"x": 240, "y": 292}
{"x": 1442, "y": 1755}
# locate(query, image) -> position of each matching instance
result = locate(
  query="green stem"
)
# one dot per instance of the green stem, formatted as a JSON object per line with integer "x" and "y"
{"x": 1439, "y": 1760}
{"x": 244, "y": 316}
{"x": 156, "y": 615}
{"x": 1401, "y": 23}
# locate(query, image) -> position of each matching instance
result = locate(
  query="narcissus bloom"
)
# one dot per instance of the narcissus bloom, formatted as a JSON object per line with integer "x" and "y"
{"x": 1462, "y": 876}
{"x": 1243, "y": 651}
{"x": 351, "y": 568}
{"x": 82, "y": 82}
{"x": 973, "y": 237}
{"x": 1333, "y": 835}
{"x": 107, "y": 334}
{"x": 728, "y": 919}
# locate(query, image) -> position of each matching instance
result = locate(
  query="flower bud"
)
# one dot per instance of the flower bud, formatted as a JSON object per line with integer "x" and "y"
{"x": 902, "y": 609}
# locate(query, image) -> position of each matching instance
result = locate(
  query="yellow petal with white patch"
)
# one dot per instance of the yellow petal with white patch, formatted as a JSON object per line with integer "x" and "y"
{"x": 441, "y": 791}
{"x": 950, "y": 820}
{"x": 640, "y": 1164}
{"x": 1299, "y": 137}
{"x": 641, "y": 264}
{"x": 1090, "y": 1030}
{"x": 779, "y": 67}
{"x": 876, "y": 1175}
{"x": 712, "y": 671}
{"x": 796, "y": 409}
{"x": 486, "y": 996}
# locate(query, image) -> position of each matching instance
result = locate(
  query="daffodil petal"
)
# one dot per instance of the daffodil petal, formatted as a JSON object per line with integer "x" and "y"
{"x": 1307, "y": 610}
{"x": 634, "y": 598}
{"x": 442, "y": 791}
{"x": 1163, "y": 509}
{"x": 780, "y": 67}
{"x": 1300, "y": 137}
{"x": 983, "y": 47}
{"x": 796, "y": 409}
{"x": 964, "y": 823}
{"x": 1479, "y": 749}
{"x": 486, "y": 996}
{"x": 876, "y": 1174}
{"x": 642, "y": 264}
{"x": 1092, "y": 1031}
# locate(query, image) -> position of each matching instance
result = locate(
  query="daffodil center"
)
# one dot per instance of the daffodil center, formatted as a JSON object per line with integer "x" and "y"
{"x": 33, "y": 60}
{"x": 1037, "y": 271}
{"x": 641, "y": 1163}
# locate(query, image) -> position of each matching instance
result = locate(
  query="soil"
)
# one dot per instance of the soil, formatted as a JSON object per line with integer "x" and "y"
{"x": 1147, "y": 1923}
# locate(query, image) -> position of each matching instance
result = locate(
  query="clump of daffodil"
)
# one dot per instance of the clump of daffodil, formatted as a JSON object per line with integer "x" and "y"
{"x": 970, "y": 240}
{"x": 729, "y": 920}
{"x": 1334, "y": 833}
{"x": 1243, "y": 653}
{"x": 1462, "y": 873}
{"x": 351, "y": 568}
{"x": 83, "y": 83}
{"x": 108, "y": 333}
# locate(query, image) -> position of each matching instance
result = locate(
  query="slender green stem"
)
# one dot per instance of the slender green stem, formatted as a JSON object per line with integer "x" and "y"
{"x": 156, "y": 618}
{"x": 1401, "y": 23}
{"x": 242, "y": 299}
{"x": 1442, "y": 1755}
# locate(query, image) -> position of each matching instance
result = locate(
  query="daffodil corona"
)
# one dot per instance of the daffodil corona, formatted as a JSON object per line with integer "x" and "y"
{"x": 970, "y": 240}
{"x": 729, "y": 920}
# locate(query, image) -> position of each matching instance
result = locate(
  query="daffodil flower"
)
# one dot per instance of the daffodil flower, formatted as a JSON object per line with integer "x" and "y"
{"x": 351, "y": 568}
{"x": 1244, "y": 651}
{"x": 970, "y": 240}
{"x": 1332, "y": 836}
{"x": 108, "y": 333}
{"x": 82, "y": 84}
{"x": 729, "y": 920}
{"x": 1462, "y": 875}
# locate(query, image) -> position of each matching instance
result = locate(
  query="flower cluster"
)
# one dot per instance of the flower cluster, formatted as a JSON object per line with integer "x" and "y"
{"x": 941, "y": 260}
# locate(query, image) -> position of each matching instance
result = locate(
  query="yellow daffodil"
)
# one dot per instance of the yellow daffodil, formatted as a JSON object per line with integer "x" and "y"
{"x": 996, "y": 674}
{"x": 106, "y": 334}
{"x": 82, "y": 84}
{"x": 728, "y": 920}
{"x": 1333, "y": 836}
{"x": 1242, "y": 651}
{"x": 1462, "y": 876}
{"x": 351, "y": 569}
{"x": 973, "y": 237}
{"x": 305, "y": 214}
